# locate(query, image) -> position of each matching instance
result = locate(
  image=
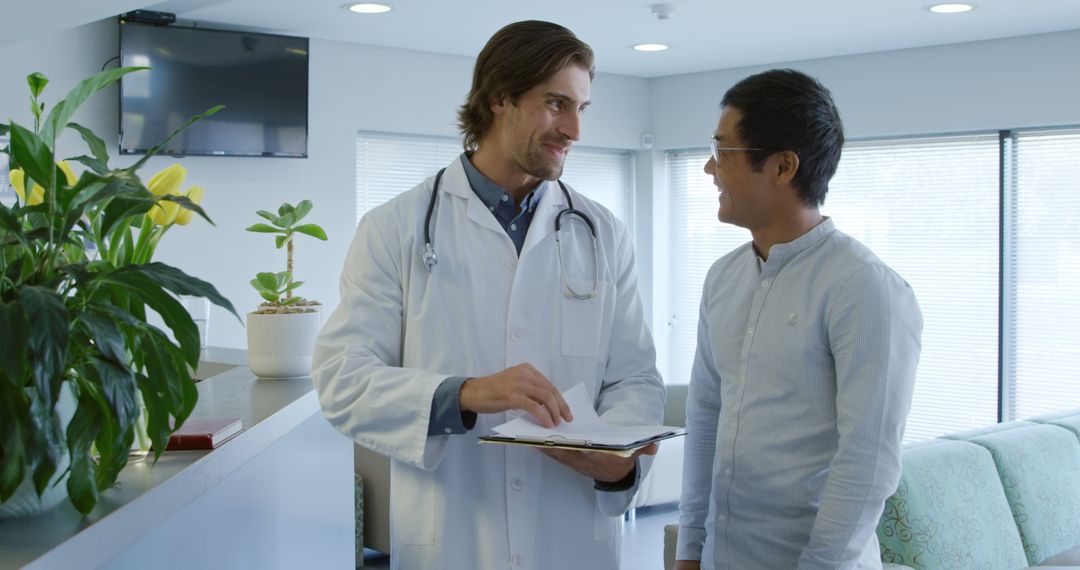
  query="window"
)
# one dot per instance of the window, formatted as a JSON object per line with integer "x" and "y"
{"x": 696, "y": 240}
{"x": 929, "y": 209}
{"x": 389, "y": 164}
{"x": 1042, "y": 287}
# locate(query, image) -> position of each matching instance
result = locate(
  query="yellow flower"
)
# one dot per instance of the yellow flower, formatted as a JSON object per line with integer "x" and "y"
{"x": 18, "y": 182}
{"x": 37, "y": 193}
{"x": 68, "y": 172}
{"x": 167, "y": 181}
{"x": 183, "y": 217}
{"x": 164, "y": 183}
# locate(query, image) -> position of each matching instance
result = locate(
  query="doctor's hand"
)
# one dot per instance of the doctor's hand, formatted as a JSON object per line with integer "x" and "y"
{"x": 519, "y": 387}
{"x": 600, "y": 466}
{"x": 687, "y": 565}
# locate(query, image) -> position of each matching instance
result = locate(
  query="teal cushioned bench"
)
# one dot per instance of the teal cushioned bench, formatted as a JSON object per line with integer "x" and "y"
{"x": 949, "y": 511}
{"x": 1039, "y": 467}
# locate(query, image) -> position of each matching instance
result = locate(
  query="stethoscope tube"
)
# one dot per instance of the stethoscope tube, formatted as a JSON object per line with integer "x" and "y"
{"x": 430, "y": 259}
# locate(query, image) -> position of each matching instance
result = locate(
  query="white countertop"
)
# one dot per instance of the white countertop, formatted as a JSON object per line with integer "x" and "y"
{"x": 145, "y": 494}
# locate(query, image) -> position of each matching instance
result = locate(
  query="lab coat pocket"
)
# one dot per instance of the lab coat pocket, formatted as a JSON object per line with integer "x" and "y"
{"x": 583, "y": 319}
{"x": 413, "y": 507}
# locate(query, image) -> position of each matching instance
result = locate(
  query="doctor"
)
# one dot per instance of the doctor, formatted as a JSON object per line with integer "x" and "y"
{"x": 463, "y": 307}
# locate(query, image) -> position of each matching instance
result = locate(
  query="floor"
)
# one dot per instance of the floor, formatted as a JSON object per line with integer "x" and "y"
{"x": 642, "y": 547}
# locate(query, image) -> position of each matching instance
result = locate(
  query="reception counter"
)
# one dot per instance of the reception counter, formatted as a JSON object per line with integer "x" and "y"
{"x": 278, "y": 495}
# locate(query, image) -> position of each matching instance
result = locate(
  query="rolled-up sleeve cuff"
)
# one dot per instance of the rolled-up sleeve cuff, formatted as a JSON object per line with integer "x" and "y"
{"x": 447, "y": 417}
{"x": 691, "y": 541}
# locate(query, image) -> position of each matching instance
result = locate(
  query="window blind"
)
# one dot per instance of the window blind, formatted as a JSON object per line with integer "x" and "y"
{"x": 929, "y": 209}
{"x": 389, "y": 164}
{"x": 696, "y": 239}
{"x": 1044, "y": 284}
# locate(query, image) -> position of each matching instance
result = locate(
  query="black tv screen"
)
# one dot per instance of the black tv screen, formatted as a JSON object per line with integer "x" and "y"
{"x": 261, "y": 79}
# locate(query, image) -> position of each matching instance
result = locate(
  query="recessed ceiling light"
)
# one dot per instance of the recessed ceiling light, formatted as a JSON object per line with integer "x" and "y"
{"x": 951, "y": 8}
{"x": 368, "y": 8}
{"x": 650, "y": 47}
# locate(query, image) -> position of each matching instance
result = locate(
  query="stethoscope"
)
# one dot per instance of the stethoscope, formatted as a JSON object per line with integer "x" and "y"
{"x": 430, "y": 259}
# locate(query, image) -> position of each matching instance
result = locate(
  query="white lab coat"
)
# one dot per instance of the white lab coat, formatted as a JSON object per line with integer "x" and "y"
{"x": 400, "y": 331}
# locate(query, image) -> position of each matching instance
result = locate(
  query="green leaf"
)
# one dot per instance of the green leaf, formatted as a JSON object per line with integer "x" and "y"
{"x": 284, "y": 209}
{"x": 270, "y": 281}
{"x": 13, "y": 460}
{"x": 14, "y": 330}
{"x": 48, "y": 338}
{"x": 302, "y": 210}
{"x": 269, "y": 216}
{"x": 181, "y": 283}
{"x": 271, "y": 296}
{"x": 157, "y": 148}
{"x": 81, "y": 432}
{"x": 187, "y": 204}
{"x": 91, "y": 163}
{"x": 94, "y": 143}
{"x": 293, "y": 285}
{"x": 63, "y": 111}
{"x": 122, "y": 209}
{"x": 106, "y": 336}
{"x": 4, "y": 129}
{"x": 117, "y": 384}
{"x": 280, "y": 241}
{"x": 287, "y": 221}
{"x": 47, "y": 443}
{"x": 33, "y": 155}
{"x": 264, "y": 229}
{"x": 37, "y": 83}
{"x": 311, "y": 230}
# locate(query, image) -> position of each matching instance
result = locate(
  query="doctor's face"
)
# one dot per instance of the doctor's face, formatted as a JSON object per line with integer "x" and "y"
{"x": 539, "y": 128}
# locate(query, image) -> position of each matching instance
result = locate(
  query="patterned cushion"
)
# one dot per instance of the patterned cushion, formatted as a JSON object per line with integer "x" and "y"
{"x": 358, "y": 497}
{"x": 949, "y": 511}
{"x": 1039, "y": 467}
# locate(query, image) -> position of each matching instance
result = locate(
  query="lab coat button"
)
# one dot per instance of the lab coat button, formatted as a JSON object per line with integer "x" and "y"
{"x": 517, "y": 484}
{"x": 749, "y": 330}
{"x": 727, "y": 472}
{"x": 511, "y": 265}
{"x": 764, "y": 283}
{"x": 517, "y": 560}
{"x": 721, "y": 518}
{"x": 515, "y": 334}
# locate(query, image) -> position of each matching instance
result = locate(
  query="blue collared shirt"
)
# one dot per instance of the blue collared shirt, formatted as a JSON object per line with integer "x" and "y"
{"x": 446, "y": 414}
{"x": 798, "y": 396}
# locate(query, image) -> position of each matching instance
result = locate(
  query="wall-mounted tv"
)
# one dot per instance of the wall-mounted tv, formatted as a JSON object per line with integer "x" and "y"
{"x": 261, "y": 79}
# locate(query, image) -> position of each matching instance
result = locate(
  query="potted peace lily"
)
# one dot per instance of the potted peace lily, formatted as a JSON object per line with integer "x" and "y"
{"x": 76, "y": 282}
{"x": 281, "y": 332}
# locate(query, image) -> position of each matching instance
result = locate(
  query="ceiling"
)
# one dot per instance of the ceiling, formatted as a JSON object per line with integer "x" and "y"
{"x": 703, "y": 34}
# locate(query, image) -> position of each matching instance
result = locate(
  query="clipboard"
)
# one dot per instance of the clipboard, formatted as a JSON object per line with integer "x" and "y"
{"x": 556, "y": 441}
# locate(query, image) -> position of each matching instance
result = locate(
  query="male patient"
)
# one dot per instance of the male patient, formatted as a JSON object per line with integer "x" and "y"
{"x": 807, "y": 349}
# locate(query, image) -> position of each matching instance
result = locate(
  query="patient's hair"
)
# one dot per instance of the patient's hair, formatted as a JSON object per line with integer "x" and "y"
{"x": 517, "y": 58}
{"x": 784, "y": 109}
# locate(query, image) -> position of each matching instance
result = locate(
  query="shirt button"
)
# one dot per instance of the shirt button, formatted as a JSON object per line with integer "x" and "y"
{"x": 721, "y": 518}
{"x": 515, "y": 334}
{"x": 511, "y": 265}
{"x": 517, "y": 484}
{"x": 505, "y": 197}
{"x": 727, "y": 472}
{"x": 513, "y": 227}
{"x": 792, "y": 319}
{"x": 749, "y": 330}
{"x": 733, "y": 424}
{"x": 447, "y": 430}
{"x": 492, "y": 208}
{"x": 764, "y": 282}
{"x": 517, "y": 560}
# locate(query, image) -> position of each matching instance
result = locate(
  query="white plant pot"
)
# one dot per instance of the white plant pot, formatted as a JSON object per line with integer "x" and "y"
{"x": 280, "y": 346}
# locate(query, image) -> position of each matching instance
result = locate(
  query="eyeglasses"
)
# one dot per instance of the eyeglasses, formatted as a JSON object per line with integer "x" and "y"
{"x": 717, "y": 150}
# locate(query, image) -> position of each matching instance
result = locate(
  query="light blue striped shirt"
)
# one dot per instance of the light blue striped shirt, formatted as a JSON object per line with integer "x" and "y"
{"x": 800, "y": 389}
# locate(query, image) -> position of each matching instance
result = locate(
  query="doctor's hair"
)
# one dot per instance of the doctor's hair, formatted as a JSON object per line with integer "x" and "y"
{"x": 517, "y": 58}
{"x": 784, "y": 109}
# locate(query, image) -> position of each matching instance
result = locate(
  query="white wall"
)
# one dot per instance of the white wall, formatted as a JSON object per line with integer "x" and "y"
{"x": 1011, "y": 83}
{"x": 351, "y": 88}
{"x": 1028, "y": 81}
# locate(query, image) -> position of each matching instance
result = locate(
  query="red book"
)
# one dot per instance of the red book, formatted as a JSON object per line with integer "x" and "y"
{"x": 204, "y": 433}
